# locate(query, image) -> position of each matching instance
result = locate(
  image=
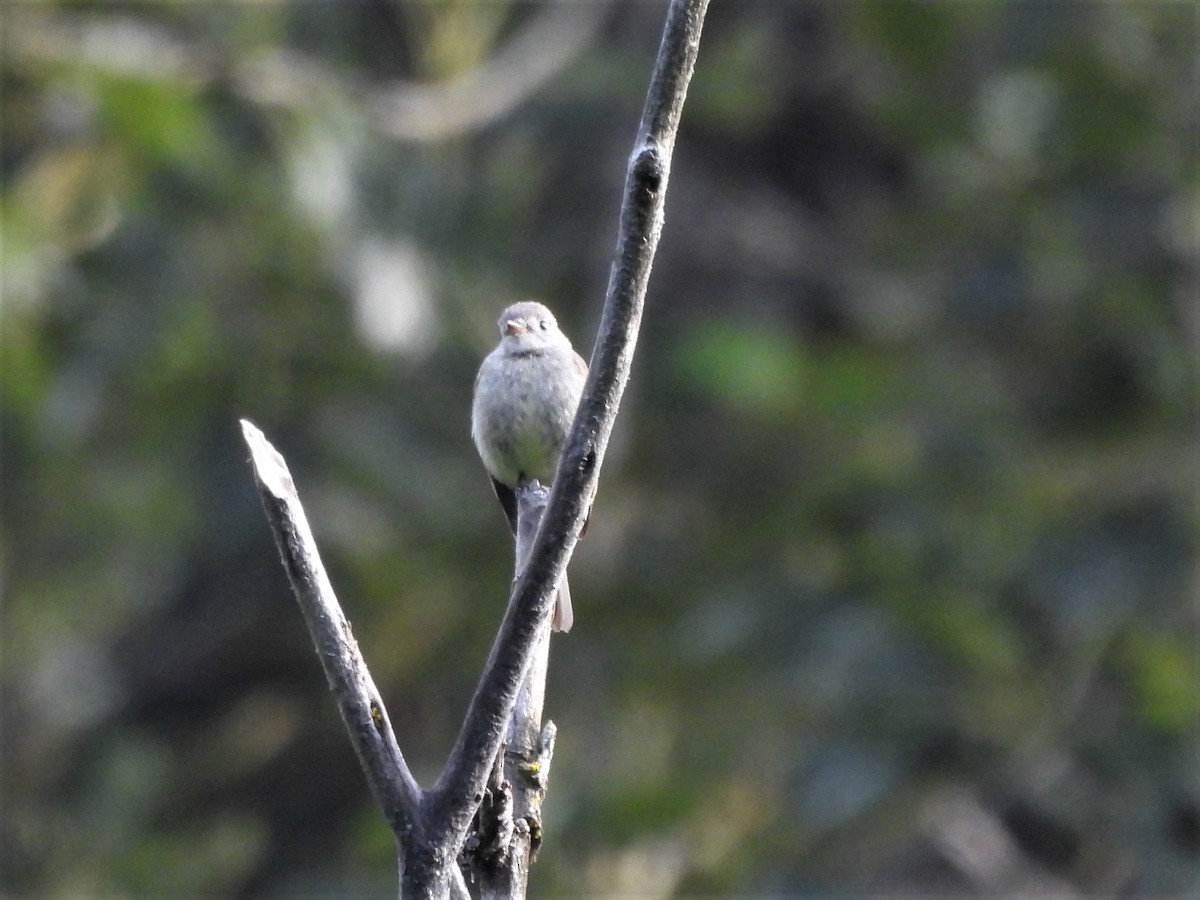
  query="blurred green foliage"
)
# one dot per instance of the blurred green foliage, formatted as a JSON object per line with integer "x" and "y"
{"x": 891, "y": 586}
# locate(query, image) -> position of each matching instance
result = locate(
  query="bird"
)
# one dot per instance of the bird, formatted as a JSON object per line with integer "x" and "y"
{"x": 526, "y": 394}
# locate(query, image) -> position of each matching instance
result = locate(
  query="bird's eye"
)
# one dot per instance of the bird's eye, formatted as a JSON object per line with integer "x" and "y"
{"x": 543, "y": 324}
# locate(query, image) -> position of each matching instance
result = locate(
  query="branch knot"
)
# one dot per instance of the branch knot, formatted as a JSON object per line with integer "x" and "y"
{"x": 648, "y": 169}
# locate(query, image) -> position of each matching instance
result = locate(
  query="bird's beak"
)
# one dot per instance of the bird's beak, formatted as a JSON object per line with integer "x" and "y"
{"x": 514, "y": 326}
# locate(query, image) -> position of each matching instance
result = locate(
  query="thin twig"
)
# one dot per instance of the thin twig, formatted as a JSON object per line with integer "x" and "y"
{"x": 453, "y": 799}
{"x": 395, "y": 789}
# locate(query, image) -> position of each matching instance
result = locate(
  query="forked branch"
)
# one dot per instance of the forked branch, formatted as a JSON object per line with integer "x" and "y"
{"x": 431, "y": 826}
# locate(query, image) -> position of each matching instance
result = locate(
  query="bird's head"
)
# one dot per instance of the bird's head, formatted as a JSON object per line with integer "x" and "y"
{"x": 528, "y": 327}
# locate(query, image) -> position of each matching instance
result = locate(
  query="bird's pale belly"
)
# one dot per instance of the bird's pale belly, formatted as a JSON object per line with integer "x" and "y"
{"x": 526, "y": 442}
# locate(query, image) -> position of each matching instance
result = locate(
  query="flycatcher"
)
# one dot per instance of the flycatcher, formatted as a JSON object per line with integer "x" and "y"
{"x": 526, "y": 394}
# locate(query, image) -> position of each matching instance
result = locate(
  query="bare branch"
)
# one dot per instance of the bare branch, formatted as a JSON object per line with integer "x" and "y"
{"x": 453, "y": 800}
{"x": 431, "y": 826}
{"x": 525, "y": 723}
{"x": 509, "y": 822}
{"x": 358, "y": 699}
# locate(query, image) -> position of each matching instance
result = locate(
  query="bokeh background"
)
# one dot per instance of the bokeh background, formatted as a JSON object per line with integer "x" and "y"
{"x": 891, "y": 585}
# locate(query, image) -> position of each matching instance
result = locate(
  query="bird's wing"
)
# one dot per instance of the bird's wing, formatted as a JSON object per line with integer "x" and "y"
{"x": 508, "y": 499}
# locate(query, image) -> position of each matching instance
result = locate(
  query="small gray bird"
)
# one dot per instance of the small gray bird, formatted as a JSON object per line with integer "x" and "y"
{"x": 526, "y": 394}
